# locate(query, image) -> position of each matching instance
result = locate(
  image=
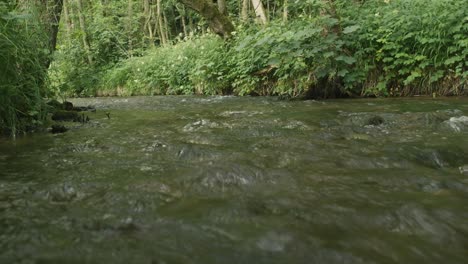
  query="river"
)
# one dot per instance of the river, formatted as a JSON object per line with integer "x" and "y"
{"x": 241, "y": 180}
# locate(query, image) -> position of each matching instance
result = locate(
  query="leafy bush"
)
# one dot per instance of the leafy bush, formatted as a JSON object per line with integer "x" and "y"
{"x": 409, "y": 46}
{"x": 378, "y": 48}
{"x": 288, "y": 59}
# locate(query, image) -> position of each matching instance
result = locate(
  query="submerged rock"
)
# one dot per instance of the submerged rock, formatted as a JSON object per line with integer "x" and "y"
{"x": 464, "y": 170}
{"x": 68, "y": 106}
{"x": 457, "y": 124}
{"x": 82, "y": 119}
{"x": 127, "y": 224}
{"x": 80, "y": 108}
{"x": 62, "y": 193}
{"x": 65, "y": 116}
{"x": 375, "y": 121}
{"x": 70, "y": 116}
{"x": 274, "y": 242}
{"x": 365, "y": 119}
{"x": 197, "y": 125}
{"x": 55, "y": 104}
{"x": 84, "y": 108}
{"x": 58, "y": 129}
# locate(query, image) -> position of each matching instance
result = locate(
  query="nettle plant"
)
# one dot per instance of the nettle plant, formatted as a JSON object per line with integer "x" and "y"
{"x": 411, "y": 47}
{"x": 291, "y": 59}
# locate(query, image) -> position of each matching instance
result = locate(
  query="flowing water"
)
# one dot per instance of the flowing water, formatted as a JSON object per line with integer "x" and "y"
{"x": 241, "y": 180}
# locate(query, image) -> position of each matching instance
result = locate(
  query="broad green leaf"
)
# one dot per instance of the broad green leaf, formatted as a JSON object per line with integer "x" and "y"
{"x": 346, "y": 59}
{"x": 350, "y": 29}
{"x": 342, "y": 73}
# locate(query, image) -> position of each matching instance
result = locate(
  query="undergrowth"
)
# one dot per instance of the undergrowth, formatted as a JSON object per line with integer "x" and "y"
{"x": 375, "y": 48}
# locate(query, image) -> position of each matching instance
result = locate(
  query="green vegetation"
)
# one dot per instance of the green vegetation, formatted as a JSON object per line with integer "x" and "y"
{"x": 197, "y": 66}
{"x": 22, "y": 71}
{"x": 325, "y": 49}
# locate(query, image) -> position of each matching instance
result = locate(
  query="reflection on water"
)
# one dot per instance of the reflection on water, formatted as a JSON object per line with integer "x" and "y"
{"x": 241, "y": 180}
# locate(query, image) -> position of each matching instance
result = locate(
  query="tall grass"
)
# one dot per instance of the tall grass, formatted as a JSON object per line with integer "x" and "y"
{"x": 22, "y": 71}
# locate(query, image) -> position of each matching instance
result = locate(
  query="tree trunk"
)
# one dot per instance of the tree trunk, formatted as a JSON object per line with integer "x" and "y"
{"x": 222, "y": 7}
{"x": 245, "y": 10}
{"x": 53, "y": 11}
{"x": 162, "y": 34}
{"x": 184, "y": 25}
{"x": 219, "y": 23}
{"x": 67, "y": 22}
{"x": 166, "y": 27}
{"x": 130, "y": 27}
{"x": 190, "y": 23}
{"x": 84, "y": 34}
{"x": 55, "y": 22}
{"x": 260, "y": 11}
{"x": 147, "y": 28}
{"x": 285, "y": 11}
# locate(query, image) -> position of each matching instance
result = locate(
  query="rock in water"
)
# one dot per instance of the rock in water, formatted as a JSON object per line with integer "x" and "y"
{"x": 67, "y": 106}
{"x": 55, "y": 104}
{"x": 80, "y": 108}
{"x": 65, "y": 116}
{"x": 58, "y": 129}
{"x": 375, "y": 121}
{"x": 464, "y": 170}
{"x": 457, "y": 124}
{"x": 61, "y": 194}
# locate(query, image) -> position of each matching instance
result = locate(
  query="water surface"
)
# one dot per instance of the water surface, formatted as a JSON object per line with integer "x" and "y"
{"x": 241, "y": 180}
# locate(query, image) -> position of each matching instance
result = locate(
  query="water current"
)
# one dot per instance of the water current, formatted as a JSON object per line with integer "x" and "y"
{"x": 241, "y": 180}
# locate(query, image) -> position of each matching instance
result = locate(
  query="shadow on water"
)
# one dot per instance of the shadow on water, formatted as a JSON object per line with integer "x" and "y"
{"x": 241, "y": 180}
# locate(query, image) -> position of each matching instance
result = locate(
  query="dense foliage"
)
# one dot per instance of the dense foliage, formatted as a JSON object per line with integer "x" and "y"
{"x": 197, "y": 66}
{"x": 325, "y": 49}
{"x": 22, "y": 70}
